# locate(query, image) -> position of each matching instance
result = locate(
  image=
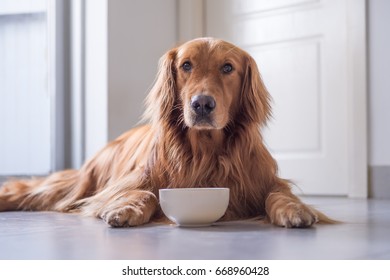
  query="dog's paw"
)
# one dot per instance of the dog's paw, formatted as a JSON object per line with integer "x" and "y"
{"x": 125, "y": 216}
{"x": 294, "y": 214}
{"x": 134, "y": 210}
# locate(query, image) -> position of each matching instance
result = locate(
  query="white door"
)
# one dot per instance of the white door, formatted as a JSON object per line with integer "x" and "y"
{"x": 301, "y": 50}
{"x": 25, "y": 102}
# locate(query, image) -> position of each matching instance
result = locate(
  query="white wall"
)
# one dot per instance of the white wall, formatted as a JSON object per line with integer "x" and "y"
{"x": 124, "y": 41}
{"x": 379, "y": 82}
{"x": 139, "y": 33}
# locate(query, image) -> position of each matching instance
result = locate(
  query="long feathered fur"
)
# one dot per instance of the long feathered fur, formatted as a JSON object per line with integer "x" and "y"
{"x": 120, "y": 184}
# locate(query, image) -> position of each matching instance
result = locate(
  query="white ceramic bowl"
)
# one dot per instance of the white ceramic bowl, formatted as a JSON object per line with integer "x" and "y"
{"x": 194, "y": 206}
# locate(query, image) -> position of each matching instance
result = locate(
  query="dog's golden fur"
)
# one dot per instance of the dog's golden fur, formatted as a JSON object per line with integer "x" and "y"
{"x": 180, "y": 147}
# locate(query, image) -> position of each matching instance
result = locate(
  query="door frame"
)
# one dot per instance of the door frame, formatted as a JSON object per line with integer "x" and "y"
{"x": 357, "y": 98}
{"x": 192, "y": 25}
{"x": 88, "y": 79}
{"x": 58, "y": 68}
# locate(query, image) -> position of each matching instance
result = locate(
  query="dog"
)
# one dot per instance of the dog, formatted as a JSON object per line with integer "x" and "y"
{"x": 204, "y": 118}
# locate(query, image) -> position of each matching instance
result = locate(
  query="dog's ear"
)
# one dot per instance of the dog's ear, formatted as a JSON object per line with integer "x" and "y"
{"x": 161, "y": 99}
{"x": 255, "y": 99}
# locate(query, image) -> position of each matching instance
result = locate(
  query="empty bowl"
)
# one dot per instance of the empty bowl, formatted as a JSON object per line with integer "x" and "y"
{"x": 194, "y": 206}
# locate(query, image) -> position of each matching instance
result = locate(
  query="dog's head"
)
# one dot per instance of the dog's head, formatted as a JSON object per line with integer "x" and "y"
{"x": 208, "y": 84}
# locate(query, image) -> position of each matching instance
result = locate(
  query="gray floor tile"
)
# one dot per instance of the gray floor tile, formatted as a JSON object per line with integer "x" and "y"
{"x": 365, "y": 234}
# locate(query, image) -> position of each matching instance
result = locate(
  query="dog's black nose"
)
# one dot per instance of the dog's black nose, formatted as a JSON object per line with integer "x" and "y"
{"x": 203, "y": 104}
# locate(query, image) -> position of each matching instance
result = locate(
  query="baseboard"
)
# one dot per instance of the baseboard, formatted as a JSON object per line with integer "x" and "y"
{"x": 379, "y": 181}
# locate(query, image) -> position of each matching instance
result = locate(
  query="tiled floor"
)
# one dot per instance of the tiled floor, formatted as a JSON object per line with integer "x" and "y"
{"x": 364, "y": 235}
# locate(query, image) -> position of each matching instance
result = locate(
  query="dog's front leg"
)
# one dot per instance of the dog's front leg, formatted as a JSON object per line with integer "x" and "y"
{"x": 135, "y": 208}
{"x": 286, "y": 210}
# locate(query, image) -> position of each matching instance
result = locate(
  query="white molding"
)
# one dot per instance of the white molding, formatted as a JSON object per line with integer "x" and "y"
{"x": 77, "y": 77}
{"x": 357, "y": 94}
{"x": 96, "y": 83}
{"x": 9, "y": 7}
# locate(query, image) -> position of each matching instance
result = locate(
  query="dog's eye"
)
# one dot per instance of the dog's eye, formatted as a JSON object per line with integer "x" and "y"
{"x": 227, "y": 68}
{"x": 187, "y": 66}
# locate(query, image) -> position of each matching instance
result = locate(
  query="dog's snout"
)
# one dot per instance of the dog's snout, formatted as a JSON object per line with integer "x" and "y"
{"x": 203, "y": 104}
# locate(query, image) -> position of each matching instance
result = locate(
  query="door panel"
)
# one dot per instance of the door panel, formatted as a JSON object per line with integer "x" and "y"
{"x": 300, "y": 48}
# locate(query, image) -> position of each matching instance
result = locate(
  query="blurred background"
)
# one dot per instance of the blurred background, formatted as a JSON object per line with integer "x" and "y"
{"x": 74, "y": 74}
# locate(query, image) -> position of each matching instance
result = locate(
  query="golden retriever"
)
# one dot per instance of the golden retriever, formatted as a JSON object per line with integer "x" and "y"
{"x": 204, "y": 115}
